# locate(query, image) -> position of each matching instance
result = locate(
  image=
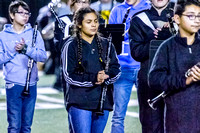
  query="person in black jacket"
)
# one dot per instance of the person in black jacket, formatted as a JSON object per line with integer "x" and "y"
{"x": 59, "y": 36}
{"x": 145, "y": 27}
{"x": 83, "y": 62}
{"x": 176, "y": 70}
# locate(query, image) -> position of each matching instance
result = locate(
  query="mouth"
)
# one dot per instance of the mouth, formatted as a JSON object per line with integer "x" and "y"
{"x": 25, "y": 20}
{"x": 93, "y": 30}
{"x": 195, "y": 26}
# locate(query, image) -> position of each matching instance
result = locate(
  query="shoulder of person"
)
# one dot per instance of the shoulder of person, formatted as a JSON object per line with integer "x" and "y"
{"x": 168, "y": 42}
{"x": 71, "y": 40}
{"x": 140, "y": 12}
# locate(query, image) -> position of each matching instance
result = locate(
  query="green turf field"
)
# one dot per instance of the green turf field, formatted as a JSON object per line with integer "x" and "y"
{"x": 51, "y": 116}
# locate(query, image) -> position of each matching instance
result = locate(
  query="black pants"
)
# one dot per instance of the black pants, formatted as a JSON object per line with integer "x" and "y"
{"x": 152, "y": 121}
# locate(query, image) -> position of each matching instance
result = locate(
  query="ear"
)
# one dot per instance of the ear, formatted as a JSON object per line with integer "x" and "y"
{"x": 177, "y": 19}
{"x": 11, "y": 15}
{"x": 79, "y": 26}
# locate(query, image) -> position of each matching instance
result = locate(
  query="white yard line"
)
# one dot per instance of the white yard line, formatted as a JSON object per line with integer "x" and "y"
{"x": 40, "y": 90}
{"x": 1, "y": 73}
{"x": 49, "y": 102}
{"x": 47, "y": 90}
{"x": 132, "y": 114}
{"x": 39, "y": 106}
{"x": 133, "y": 102}
{"x": 2, "y": 106}
{"x": 134, "y": 88}
{"x": 2, "y": 91}
{"x": 57, "y": 103}
{"x": 48, "y": 106}
{"x": 50, "y": 99}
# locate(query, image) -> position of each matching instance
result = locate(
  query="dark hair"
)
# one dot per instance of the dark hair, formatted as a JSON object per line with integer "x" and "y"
{"x": 79, "y": 16}
{"x": 181, "y": 5}
{"x": 14, "y": 5}
{"x": 78, "y": 19}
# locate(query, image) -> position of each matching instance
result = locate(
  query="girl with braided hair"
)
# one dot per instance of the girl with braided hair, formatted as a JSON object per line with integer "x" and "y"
{"x": 83, "y": 61}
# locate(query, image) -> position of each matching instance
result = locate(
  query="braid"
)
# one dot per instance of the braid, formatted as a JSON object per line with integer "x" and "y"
{"x": 100, "y": 49}
{"x": 80, "y": 69}
{"x": 79, "y": 49}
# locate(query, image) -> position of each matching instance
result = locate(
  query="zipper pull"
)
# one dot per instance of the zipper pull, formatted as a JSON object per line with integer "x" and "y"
{"x": 190, "y": 50}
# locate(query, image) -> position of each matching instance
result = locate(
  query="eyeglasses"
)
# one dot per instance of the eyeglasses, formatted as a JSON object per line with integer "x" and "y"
{"x": 24, "y": 13}
{"x": 192, "y": 17}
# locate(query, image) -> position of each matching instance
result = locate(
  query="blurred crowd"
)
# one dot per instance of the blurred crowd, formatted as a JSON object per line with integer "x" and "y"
{"x": 148, "y": 25}
{"x": 3, "y": 21}
{"x": 46, "y": 20}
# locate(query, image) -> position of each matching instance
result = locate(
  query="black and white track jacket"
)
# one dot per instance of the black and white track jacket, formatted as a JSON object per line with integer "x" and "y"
{"x": 82, "y": 92}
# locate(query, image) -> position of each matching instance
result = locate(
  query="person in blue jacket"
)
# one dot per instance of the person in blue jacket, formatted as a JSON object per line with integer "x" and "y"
{"x": 83, "y": 61}
{"x": 123, "y": 13}
{"x": 15, "y": 51}
{"x": 176, "y": 70}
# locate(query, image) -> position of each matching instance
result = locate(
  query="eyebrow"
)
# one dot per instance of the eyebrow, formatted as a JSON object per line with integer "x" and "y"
{"x": 20, "y": 10}
{"x": 90, "y": 19}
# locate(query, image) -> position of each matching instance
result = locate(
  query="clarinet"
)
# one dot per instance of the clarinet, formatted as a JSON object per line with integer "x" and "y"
{"x": 154, "y": 102}
{"x": 171, "y": 24}
{"x": 61, "y": 25}
{"x": 104, "y": 91}
{"x": 30, "y": 64}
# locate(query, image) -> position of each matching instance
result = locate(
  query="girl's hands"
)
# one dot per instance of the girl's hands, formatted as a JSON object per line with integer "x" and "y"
{"x": 101, "y": 76}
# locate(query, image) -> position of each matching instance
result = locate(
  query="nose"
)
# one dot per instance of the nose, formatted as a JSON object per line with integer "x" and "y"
{"x": 197, "y": 20}
{"x": 94, "y": 24}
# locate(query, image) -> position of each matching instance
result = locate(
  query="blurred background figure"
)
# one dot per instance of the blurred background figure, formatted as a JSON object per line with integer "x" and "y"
{"x": 66, "y": 20}
{"x": 60, "y": 35}
{"x": 46, "y": 21}
{"x": 123, "y": 13}
{"x": 104, "y": 8}
{"x": 146, "y": 27}
{"x": 2, "y": 22}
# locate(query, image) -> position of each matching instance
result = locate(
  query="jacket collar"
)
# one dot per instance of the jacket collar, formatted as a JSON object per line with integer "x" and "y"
{"x": 183, "y": 40}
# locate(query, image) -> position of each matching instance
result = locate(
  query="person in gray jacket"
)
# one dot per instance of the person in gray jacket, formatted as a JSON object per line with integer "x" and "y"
{"x": 15, "y": 50}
